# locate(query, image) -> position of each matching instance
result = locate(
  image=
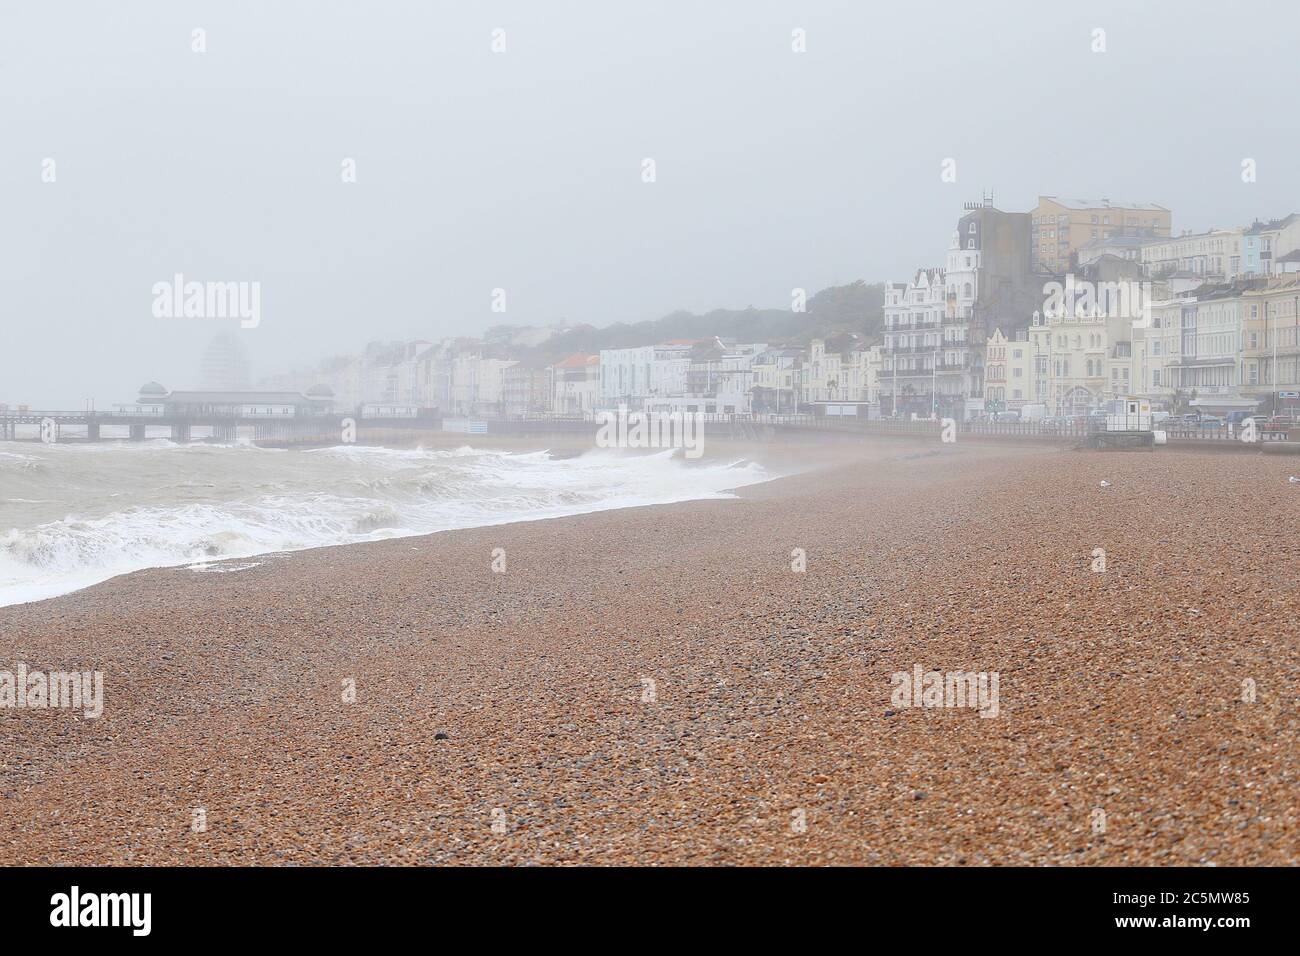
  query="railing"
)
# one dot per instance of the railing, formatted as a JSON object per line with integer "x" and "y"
{"x": 1220, "y": 432}
{"x": 14, "y": 414}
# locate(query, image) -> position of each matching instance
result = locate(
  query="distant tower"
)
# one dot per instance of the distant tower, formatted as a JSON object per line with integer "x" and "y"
{"x": 225, "y": 364}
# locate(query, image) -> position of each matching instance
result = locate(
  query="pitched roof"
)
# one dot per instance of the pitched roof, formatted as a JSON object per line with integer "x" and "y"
{"x": 1271, "y": 225}
{"x": 579, "y": 360}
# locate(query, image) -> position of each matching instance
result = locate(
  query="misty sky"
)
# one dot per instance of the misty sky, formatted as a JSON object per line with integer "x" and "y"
{"x": 522, "y": 170}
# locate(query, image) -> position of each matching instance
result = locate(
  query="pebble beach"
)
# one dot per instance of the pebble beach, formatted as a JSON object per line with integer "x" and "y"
{"x": 707, "y": 682}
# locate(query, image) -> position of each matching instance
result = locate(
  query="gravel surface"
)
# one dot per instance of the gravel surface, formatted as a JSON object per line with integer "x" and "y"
{"x": 507, "y": 717}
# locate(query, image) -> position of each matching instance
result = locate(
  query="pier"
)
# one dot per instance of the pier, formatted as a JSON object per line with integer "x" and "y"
{"x": 82, "y": 427}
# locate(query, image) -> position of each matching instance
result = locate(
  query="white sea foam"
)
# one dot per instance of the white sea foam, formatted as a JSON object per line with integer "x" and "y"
{"x": 81, "y": 515}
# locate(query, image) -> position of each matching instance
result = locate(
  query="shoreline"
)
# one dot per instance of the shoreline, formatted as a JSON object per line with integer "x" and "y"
{"x": 561, "y": 448}
{"x": 525, "y": 691}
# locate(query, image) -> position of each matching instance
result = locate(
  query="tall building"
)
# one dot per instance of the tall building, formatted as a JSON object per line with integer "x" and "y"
{"x": 913, "y": 345}
{"x": 225, "y": 363}
{"x": 1061, "y": 227}
{"x": 1007, "y": 290}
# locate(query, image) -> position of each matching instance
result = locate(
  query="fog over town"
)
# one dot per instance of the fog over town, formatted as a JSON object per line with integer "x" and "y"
{"x": 522, "y": 170}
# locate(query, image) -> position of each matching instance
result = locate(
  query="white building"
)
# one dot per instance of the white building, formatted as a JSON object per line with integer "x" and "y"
{"x": 1210, "y": 342}
{"x": 1211, "y": 256}
{"x": 477, "y": 384}
{"x": 575, "y": 385}
{"x": 631, "y": 376}
{"x": 718, "y": 379}
{"x": 849, "y": 376}
{"x": 913, "y": 341}
{"x": 1155, "y": 348}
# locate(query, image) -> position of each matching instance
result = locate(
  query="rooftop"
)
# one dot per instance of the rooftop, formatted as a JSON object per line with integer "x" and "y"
{"x": 236, "y": 396}
{"x": 1271, "y": 225}
{"x": 1103, "y": 204}
{"x": 580, "y": 360}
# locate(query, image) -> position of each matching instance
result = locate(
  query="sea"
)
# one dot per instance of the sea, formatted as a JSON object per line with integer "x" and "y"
{"x": 73, "y": 515}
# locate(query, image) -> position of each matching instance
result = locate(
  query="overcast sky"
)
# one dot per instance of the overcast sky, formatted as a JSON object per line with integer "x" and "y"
{"x": 522, "y": 170}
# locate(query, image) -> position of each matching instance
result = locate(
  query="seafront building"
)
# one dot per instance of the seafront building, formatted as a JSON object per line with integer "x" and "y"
{"x": 1008, "y": 373}
{"x": 631, "y": 376}
{"x": 526, "y": 389}
{"x": 575, "y": 385}
{"x": 1061, "y": 227}
{"x": 1218, "y": 331}
{"x": 912, "y": 343}
{"x": 937, "y": 325}
{"x": 1265, "y": 243}
{"x": 778, "y": 381}
{"x": 1192, "y": 259}
{"x": 1271, "y": 350}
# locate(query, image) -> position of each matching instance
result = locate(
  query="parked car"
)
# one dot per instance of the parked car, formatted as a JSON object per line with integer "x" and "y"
{"x": 1006, "y": 418}
{"x": 1210, "y": 421}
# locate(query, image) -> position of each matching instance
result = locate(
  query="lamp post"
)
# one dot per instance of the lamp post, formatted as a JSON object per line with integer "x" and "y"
{"x": 1295, "y": 324}
{"x": 895, "y": 408}
{"x": 934, "y": 384}
{"x": 1273, "y": 372}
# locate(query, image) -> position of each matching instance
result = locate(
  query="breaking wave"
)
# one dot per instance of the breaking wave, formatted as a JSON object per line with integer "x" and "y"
{"x": 77, "y": 516}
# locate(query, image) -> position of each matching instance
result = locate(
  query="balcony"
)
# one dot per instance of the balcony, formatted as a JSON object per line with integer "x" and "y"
{"x": 890, "y": 350}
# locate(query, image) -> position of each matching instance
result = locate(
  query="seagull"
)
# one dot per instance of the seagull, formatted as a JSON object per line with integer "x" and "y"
{"x": 1294, "y": 480}
{"x": 1105, "y": 484}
